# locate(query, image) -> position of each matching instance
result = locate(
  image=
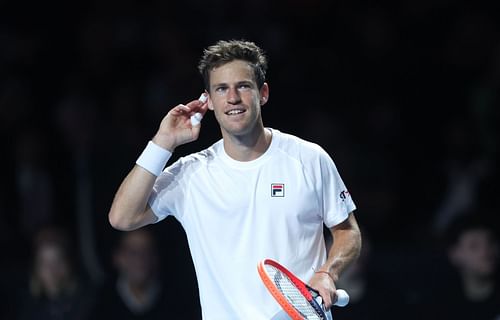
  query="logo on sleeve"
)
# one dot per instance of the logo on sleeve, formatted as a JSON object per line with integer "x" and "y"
{"x": 344, "y": 194}
{"x": 277, "y": 189}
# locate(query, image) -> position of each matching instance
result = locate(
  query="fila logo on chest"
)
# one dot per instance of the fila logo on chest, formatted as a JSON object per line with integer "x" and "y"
{"x": 277, "y": 189}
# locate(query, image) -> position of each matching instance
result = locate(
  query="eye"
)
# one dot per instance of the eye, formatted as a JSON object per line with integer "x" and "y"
{"x": 244, "y": 86}
{"x": 220, "y": 90}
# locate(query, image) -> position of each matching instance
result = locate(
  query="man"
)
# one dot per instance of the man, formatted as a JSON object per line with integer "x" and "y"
{"x": 257, "y": 193}
{"x": 473, "y": 291}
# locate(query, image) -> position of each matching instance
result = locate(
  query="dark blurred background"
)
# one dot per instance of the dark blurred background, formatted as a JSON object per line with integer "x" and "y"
{"x": 403, "y": 95}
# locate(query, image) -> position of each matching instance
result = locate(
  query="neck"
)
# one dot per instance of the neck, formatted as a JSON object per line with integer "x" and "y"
{"x": 478, "y": 288}
{"x": 138, "y": 297}
{"x": 140, "y": 291}
{"x": 247, "y": 147}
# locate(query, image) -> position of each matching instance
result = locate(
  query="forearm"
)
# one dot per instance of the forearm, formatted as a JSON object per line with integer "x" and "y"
{"x": 345, "y": 248}
{"x": 129, "y": 208}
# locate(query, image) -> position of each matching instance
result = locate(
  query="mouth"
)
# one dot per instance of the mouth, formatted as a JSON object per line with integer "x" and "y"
{"x": 235, "y": 111}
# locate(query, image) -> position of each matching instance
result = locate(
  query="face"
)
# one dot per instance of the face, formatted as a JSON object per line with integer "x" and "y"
{"x": 236, "y": 99}
{"x": 476, "y": 253}
{"x": 136, "y": 258}
{"x": 52, "y": 269}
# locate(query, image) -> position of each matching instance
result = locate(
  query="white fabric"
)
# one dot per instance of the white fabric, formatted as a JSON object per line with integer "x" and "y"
{"x": 232, "y": 221}
{"x": 282, "y": 315}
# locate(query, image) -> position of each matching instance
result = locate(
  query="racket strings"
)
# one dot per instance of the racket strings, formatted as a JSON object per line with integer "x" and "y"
{"x": 292, "y": 293}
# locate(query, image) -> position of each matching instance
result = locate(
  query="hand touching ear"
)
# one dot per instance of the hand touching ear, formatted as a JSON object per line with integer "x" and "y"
{"x": 177, "y": 128}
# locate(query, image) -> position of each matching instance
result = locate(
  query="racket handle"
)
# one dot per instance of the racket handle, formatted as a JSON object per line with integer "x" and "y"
{"x": 342, "y": 298}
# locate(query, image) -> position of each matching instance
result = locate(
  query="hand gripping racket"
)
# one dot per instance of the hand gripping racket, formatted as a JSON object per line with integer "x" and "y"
{"x": 297, "y": 299}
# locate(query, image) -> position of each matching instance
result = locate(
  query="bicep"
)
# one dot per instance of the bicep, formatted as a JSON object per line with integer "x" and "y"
{"x": 348, "y": 224}
{"x": 347, "y": 231}
{"x": 143, "y": 219}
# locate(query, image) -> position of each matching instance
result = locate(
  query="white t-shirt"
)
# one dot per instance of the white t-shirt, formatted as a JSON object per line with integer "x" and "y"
{"x": 237, "y": 213}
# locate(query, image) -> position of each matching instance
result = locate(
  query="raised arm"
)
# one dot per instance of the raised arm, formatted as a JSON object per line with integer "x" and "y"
{"x": 344, "y": 250}
{"x": 129, "y": 209}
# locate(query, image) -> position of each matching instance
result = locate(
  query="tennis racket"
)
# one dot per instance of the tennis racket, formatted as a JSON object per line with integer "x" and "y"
{"x": 297, "y": 299}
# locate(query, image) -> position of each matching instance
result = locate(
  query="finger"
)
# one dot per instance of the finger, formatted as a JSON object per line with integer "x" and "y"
{"x": 181, "y": 109}
{"x": 327, "y": 301}
{"x": 323, "y": 297}
{"x": 201, "y": 110}
{"x": 204, "y": 108}
{"x": 195, "y": 129}
{"x": 200, "y": 104}
{"x": 196, "y": 119}
{"x": 195, "y": 104}
{"x": 203, "y": 97}
{"x": 334, "y": 298}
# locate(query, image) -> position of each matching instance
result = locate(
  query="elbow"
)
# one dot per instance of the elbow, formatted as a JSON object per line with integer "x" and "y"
{"x": 124, "y": 220}
{"x": 117, "y": 222}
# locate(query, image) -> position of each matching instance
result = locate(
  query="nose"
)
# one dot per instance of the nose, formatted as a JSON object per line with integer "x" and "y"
{"x": 233, "y": 96}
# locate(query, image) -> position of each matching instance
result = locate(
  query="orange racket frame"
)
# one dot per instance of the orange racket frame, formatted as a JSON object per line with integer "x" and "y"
{"x": 275, "y": 292}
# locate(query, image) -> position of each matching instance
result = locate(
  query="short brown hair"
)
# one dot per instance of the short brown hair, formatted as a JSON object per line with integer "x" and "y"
{"x": 226, "y": 51}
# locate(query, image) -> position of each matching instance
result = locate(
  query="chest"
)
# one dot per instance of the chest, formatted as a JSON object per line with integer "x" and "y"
{"x": 274, "y": 193}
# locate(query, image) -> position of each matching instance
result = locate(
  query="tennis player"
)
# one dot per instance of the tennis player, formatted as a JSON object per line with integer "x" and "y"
{"x": 256, "y": 193}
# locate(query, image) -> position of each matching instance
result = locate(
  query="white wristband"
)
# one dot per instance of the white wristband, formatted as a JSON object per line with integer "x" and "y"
{"x": 154, "y": 158}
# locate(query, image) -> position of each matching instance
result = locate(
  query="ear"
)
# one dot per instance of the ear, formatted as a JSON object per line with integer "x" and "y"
{"x": 210, "y": 104}
{"x": 264, "y": 94}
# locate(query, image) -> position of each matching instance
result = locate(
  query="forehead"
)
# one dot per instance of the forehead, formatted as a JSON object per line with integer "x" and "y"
{"x": 50, "y": 253}
{"x": 476, "y": 235}
{"x": 234, "y": 71}
{"x": 136, "y": 239}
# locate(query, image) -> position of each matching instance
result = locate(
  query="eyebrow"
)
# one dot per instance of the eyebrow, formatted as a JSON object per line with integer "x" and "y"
{"x": 237, "y": 83}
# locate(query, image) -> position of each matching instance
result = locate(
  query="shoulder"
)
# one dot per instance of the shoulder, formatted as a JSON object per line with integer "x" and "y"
{"x": 197, "y": 159}
{"x": 297, "y": 147}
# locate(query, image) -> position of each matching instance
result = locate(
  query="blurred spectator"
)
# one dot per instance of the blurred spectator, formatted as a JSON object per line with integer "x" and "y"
{"x": 34, "y": 182}
{"x": 101, "y": 74}
{"x": 370, "y": 287}
{"x": 137, "y": 292}
{"x": 55, "y": 290}
{"x": 473, "y": 289}
{"x": 76, "y": 117}
{"x": 466, "y": 170}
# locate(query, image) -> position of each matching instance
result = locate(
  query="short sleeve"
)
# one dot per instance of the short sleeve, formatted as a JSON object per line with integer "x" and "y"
{"x": 166, "y": 191}
{"x": 336, "y": 199}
